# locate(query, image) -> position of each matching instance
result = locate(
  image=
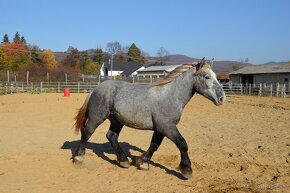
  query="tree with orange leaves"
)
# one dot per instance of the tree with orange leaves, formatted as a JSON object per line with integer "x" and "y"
{"x": 17, "y": 55}
{"x": 49, "y": 60}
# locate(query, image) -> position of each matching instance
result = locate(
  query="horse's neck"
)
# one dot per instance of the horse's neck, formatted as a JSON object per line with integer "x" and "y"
{"x": 183, "y": 87}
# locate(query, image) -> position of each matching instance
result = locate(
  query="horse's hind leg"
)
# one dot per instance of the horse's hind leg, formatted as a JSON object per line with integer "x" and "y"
{"x": 86, "y": 133}
{"x": 155, "y": 143}
{"x": 112, "y": 136}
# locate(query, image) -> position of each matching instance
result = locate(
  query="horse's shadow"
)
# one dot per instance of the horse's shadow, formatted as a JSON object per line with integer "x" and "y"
{"x": 101, "y": 148}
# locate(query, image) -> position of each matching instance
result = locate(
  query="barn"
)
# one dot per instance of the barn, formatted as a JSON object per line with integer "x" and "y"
{"x": 155, "y": 71}
{"x": 270, "y": 74}
{"x": 262, "y": 74}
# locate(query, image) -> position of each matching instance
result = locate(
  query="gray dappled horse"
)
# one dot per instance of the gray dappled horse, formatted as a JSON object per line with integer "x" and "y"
{"x": 156, "y": 107}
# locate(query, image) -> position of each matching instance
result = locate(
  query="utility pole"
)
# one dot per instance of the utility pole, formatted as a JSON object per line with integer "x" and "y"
{"x": 112, "y": 62}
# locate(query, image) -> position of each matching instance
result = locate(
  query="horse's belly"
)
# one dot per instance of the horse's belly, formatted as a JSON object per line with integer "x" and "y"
{"x": 136, "y": 120}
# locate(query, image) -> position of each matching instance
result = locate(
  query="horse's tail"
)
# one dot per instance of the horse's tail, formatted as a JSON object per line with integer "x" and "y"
{"x": 81, "y": 117}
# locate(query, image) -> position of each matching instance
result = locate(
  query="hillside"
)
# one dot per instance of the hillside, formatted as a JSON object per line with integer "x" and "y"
{"x": 219, "y": 66}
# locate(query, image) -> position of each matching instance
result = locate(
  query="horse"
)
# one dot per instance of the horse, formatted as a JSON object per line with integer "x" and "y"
{"x": 156, "y": 107}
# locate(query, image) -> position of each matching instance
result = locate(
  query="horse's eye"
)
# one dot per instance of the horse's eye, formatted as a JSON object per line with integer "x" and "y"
{"x": 207, "y": 76}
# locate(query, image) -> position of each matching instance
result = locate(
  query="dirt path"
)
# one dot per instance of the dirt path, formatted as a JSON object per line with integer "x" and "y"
{"x": 241, "y": 146}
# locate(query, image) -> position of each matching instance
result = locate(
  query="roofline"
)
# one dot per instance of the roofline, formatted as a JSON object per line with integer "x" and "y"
{"x": 241, "y": 73}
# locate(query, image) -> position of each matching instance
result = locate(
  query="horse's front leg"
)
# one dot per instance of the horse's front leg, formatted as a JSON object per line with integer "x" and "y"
{"x": 185, "y": 165}
{"x": 155, "y": 143}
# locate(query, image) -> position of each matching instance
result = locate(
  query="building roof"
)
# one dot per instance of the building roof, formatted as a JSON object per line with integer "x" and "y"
{"x": 264, "y": 69}
{"x": 159, "y": 68}
{"x": 127, "y": 68}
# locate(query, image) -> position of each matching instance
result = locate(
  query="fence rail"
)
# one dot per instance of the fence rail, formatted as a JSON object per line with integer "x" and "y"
{"x": 278, "y": 90}
{"x": 261, "y": 89}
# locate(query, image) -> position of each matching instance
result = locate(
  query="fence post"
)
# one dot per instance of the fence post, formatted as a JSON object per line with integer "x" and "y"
{"x": 250, "y": 89}
{"x": 40, "y": 87}
{"x": 241, "y": 85}
{"x": 58, "y": 87}
{"x": 133, "y": 79}
{"x": 284, "y": 90}
{"x": 6, "y": 88}
{"x": 271, "y": 90}
{"x": 260, "y": 89}
{"x": 277, "y": 89}
{"x": 11, "y": 88}
{"x": 78, "y": 87}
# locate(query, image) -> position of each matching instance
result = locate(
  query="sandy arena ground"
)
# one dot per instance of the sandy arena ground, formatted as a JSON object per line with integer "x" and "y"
{"x": 241, "y": 146}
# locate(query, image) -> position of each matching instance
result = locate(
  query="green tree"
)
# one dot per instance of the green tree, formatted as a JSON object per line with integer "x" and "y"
{"x": 72, "y": 59}
{"x": 35, "y": 55}
{"x": 22, "y": 40}
{"x": 16, "y": 38}
{"x": 84, "y": 61}
{"x": 20, "y": 62}
{"x": 99, "y": 56}
{"x": 3, "y": 60}
{"x": 134, "y": 54}
{"x": 5, "y": 38}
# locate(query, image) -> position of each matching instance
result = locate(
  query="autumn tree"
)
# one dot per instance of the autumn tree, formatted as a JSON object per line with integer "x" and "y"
{"x": 3, "y": 60}
{"x": 48, "y": 59}
{"x": 5, "y": 39}
{"x": 17, "y": 55}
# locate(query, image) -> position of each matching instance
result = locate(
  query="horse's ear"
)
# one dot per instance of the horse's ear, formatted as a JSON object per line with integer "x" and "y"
{"x": 200, "y": 64}
{"x": 211, "y": 62}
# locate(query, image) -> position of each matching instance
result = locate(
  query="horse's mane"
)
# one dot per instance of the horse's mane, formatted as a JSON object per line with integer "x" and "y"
{"x": 174, "y": 74}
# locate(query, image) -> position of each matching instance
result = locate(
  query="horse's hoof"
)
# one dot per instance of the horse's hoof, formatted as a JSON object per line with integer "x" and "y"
{"x": 186, "y": 173}
{"x": 78, "y": 159}
{"x": 144, "y": 166}
{"x": 124, "y": 164}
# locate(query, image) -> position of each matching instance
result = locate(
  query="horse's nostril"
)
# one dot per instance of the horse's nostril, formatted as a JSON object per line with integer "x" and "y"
{"x": 221, "y": 99}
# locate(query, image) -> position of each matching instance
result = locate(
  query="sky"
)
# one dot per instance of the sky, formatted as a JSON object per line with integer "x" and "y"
{"x": 222, "y": 29}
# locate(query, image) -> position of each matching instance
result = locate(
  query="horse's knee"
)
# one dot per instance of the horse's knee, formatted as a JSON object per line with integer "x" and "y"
{"x": 111, "y": 135}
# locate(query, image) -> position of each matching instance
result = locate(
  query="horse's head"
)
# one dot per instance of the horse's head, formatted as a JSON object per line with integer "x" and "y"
{"x": 207, "y": 84}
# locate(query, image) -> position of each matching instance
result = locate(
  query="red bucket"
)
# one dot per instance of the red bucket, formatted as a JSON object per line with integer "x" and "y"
{"x": 66, "y": 92}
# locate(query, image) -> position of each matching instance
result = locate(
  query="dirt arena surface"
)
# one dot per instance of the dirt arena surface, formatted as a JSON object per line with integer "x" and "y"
{"x": 241, "y": 146}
